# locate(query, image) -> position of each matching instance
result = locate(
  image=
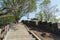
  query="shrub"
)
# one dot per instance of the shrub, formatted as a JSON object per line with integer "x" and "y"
{"x": 7, "y": 19}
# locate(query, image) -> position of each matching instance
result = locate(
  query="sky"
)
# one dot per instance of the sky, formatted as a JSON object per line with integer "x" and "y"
{"x": 56, "y": 2}
{"x": 53, "y": 2}
{"x": 32, "y": 14}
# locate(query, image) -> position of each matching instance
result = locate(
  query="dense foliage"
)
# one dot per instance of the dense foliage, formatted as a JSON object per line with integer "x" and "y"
{"x": 8, "y": 19}
{"x": 18, "y": 7}
{"x": 47, "y": 12}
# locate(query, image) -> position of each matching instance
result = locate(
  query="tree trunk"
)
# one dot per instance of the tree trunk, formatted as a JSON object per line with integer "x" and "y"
{"x": 16, "y": 19}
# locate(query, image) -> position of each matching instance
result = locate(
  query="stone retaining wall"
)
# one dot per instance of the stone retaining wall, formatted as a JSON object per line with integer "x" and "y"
{"x": 46, "y": 26}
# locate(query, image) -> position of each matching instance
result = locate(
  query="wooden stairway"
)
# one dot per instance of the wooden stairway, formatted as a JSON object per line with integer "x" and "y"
{"x": 19, "y": 33}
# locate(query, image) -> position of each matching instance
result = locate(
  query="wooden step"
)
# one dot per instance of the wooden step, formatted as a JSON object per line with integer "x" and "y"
{"x": 20, "y": 33}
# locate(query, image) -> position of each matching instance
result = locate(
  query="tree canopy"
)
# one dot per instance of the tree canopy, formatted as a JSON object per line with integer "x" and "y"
{"x": 18, "y": 7}
{"x": 47, "y": 12}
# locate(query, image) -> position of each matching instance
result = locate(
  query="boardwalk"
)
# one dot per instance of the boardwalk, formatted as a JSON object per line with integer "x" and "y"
{"x": 19, "y": 32}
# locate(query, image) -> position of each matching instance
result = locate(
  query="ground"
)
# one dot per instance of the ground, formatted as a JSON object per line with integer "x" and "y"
{"x": 45, "y": 35}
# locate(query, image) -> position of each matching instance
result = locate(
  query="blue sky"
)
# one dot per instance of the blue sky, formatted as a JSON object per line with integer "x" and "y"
{"x": 32, "y": 14}
{"x": 53, "y": 2}
{"x": 56, "y": 2}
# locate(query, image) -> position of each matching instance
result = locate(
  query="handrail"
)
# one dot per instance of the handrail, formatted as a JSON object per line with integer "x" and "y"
{"x": 32, "y": 33}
